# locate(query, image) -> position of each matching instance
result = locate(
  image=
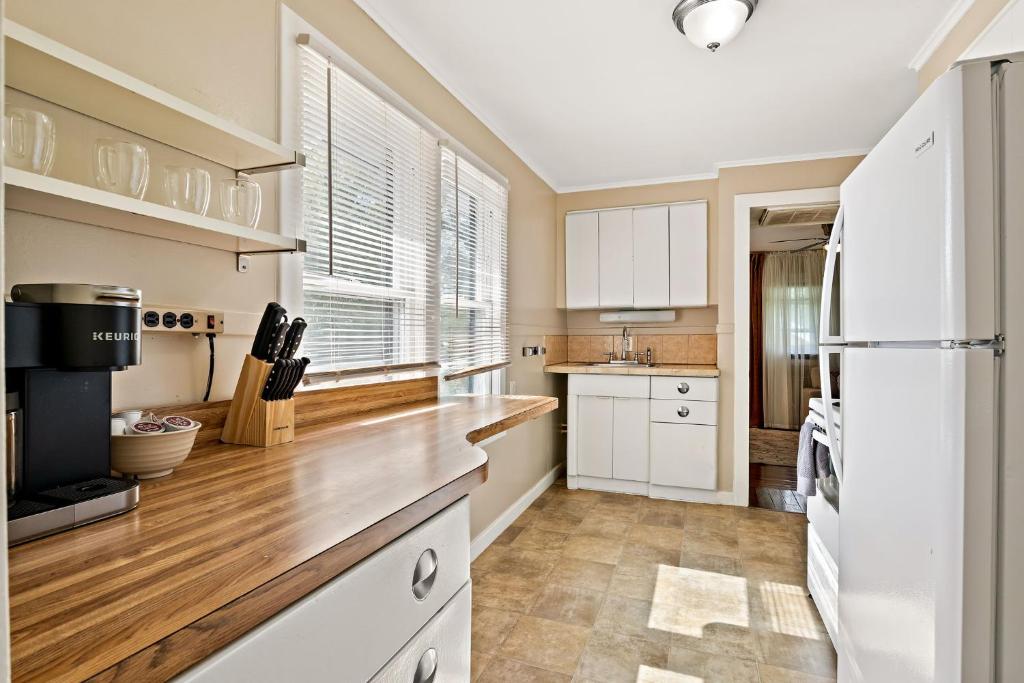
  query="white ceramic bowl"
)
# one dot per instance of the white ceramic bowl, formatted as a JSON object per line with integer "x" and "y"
{"x": 148, "y": 456}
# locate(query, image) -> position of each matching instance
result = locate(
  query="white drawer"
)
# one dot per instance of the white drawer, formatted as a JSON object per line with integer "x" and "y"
{"x": 440, "y": 651}
{"x": 690, "y": 388}
{"x": 684, "y": 455}
{"x": 623, "y": 386}
{"x": 684, "y": 412}
{"x": 348, "y": 629}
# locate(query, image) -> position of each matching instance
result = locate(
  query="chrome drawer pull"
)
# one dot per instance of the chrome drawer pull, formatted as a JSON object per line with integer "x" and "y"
{"x": 683, "y": 387}
{"x": 426, "y": 669}
{"x": 683, "y": 411}
{"x": 423, "y": 575}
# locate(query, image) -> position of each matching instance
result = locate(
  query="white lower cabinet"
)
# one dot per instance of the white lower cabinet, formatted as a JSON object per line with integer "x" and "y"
{"x": 684, "y": 455}
{"x": 644, "y": 435}
{"x": 351, "y": 627}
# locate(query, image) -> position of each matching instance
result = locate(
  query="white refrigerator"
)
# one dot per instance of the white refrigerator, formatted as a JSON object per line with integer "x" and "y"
{"x": 930, "y": 320}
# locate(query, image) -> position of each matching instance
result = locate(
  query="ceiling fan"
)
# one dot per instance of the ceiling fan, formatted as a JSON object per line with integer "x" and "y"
{"x": 813, "y": 242}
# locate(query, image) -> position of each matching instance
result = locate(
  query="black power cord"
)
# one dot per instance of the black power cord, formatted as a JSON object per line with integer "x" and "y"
{"x": 209, "y": 378}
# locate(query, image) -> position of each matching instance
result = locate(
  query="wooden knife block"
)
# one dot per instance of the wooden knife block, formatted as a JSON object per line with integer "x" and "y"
{"x": 251, "y": 420}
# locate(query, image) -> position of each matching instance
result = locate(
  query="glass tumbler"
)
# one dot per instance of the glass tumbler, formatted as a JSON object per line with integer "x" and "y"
{"x": 29, "y": 139}
{"x": 187, "y": 188}
{"x": 240, "y": 200}
{"x": 121, "y": 167}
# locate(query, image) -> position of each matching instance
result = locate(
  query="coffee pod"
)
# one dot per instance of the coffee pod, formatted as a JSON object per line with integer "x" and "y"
{"x": 118, "y": 426}
{"x": 130, "y": 417}
{"x": 146, "y": 427}
{"x": 177, "y": 423}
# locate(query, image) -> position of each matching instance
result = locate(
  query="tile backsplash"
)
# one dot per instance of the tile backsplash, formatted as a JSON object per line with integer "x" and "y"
{"x": 693, "y": 349}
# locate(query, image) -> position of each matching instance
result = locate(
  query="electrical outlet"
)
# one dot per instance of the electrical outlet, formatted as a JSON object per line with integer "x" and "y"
{"x": 161, "y": 318}
{"x": 243, "y": 262}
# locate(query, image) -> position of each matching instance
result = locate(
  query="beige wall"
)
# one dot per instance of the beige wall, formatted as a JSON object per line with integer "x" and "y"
{"x": 223, "y": 56}
{"x": 970, "y": 26}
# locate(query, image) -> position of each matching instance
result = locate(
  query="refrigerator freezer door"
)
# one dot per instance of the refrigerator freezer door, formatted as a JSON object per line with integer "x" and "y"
{"x": 916, "y": 523}
{"x": 918, "y": 241}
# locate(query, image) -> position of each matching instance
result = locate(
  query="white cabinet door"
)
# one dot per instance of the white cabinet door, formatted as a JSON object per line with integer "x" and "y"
{"x": 615, "y": 229}
{"x": 688, "y": 254}
{"x": 684, "y": 455}
{"x": 594, "y": 436}
{"x": 581, "y": 260}
{"x": 650, "y": 257}
{"x": 629, "y": 439}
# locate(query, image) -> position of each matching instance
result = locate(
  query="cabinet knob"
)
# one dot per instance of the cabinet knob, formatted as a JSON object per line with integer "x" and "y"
{"x": 683, "y": 411}
{"x": 424, "y": 574}
{"x": 683, "y": 387}
{"x": 426, "y": 669}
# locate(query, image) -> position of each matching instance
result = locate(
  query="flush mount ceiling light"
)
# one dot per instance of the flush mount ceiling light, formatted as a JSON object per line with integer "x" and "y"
{"x": 712, "y": 23}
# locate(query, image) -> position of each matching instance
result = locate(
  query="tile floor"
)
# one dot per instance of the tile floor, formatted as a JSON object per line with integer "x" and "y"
{"x": 600, "y": 587}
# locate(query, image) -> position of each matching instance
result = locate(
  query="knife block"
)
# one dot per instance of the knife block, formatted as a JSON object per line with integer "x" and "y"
{"x": 251, "y": 421}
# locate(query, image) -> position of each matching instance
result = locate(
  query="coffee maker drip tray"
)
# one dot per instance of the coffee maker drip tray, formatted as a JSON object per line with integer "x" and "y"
{"x": 66, "y": 507}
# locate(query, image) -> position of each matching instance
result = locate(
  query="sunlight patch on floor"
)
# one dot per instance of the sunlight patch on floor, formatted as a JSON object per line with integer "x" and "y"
{"x": 788, "y": 610}
{"x": 650, "y": 674}
{"x": 688, "y": 600}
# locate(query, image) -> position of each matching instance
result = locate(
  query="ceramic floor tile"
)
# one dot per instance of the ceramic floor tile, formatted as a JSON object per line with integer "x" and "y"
{"x": 539, "y": 539}
{"x": 668, "y": 518}
{"x": 629, "y": 617}
{"x": 710, "y": 668}
{"x": 508, "y": 535}
{"x": 710, "y": 542}
{"x": 603, "y": 527}
{"x": 490, "y": 628}
{"x": 571, "y": 605}
{"x": 561, "y": 522}
{"x": 505, "y": 591}
{"x": 569, "y": 571}
{"x": 656, "y": 536}
{"x": 636, "y": 586}
{"x": 501, "y": 670}
{"x": 477, "y": 663}
{"x": 526, "y": 562}
{"x": 614, "y": 658}
{"x": 640, "y": 558}
{"x": 550, "y": 645}
{"x": 709, "y": 563}
{"x": 783, "y": 608}
{"x": 772, "y": 551}
{"x": 593, "y": 548}
{"x": 620, "y": 513}
{"x": 808, "y": 655}
{"x": 774, "y": 674}
{"x": 491, "y": 558}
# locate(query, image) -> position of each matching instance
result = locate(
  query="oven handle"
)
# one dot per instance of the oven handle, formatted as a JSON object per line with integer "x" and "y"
{"x": 825, "y": 354}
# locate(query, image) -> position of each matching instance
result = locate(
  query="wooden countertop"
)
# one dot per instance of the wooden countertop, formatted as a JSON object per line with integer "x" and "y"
{"x": 238, "y": 533}
{"x": 658, "y": 370}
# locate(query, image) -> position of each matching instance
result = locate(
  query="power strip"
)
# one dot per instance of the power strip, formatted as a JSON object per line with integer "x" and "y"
{"x": 160, "y": 318}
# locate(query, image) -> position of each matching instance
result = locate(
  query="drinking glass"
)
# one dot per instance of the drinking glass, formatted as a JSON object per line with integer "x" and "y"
{"x": 29, "y": 139}
{"x": 187, "y": 188}
{"x": 240, "y": 201}
{"x": 121, "y": 167}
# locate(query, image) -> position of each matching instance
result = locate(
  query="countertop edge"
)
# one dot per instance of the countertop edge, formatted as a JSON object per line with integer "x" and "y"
{"x": 637, "y": 371}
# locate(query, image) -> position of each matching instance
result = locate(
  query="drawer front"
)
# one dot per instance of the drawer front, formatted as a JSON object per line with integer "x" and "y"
{"x": 440, "y": 651}
{"x": 623, "y": 386}
{"x": 690, "y": 388}
{"x": 684, "y": 455}
{"x": 348, "y": 629}
{"x": 684, "y": 412}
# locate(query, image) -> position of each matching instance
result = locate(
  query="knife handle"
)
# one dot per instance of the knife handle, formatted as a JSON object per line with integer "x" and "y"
{"x": 293, "y": 338}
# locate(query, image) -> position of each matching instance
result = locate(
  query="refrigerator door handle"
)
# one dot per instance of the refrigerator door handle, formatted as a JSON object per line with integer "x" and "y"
{"x": 834, "y": 241}
{"x": 825, "y": 354}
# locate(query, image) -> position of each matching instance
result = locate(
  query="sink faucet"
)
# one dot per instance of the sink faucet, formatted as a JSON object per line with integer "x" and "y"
{"x": 625, "y": 342}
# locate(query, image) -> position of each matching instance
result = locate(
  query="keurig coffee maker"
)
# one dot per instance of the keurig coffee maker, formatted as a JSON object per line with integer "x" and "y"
{"x": 63, "y": 341}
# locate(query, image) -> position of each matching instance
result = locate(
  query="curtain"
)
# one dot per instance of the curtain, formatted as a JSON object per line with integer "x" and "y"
{"x": 756, "y": 339}
{"x": 791, "y": 300}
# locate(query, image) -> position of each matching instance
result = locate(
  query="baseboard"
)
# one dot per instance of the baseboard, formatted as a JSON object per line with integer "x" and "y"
{"x": 505, "y": 519}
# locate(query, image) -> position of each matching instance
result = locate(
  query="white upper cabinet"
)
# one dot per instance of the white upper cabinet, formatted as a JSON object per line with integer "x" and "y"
{"x": 688, "y": 254}
{"x": 641, "y": 257}
{"x": 615, "y": 241}
{"x": 650, "y": 257}
{"x": 581, "y": 260}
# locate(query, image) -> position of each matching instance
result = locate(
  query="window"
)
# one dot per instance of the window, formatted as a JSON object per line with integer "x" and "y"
{"x": 473, "y": 278}
{"x": 369, "y": 206}
{"x": 803, "y": 303}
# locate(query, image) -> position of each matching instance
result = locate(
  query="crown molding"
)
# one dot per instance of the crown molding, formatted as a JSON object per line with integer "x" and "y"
{"x": 791, "y": 158}
{"x": 953, "y": 16}
{"x": 466, "y": 102}
{"x": 637, "y": 183}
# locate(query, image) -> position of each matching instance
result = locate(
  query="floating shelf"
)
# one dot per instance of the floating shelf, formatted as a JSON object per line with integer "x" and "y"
{"x": 45, "y": 196}
{"x": 42, "y": 67}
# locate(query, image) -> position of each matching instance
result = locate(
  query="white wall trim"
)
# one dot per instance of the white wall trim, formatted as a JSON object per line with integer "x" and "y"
{"x": 505, "y": 519}
{"x": 787, "y": 159}
{"x": 981, "y": 37}
{"x": 953, "y": 16}
{"x": 637, "y": 183}
{"x": 741, "y": 316}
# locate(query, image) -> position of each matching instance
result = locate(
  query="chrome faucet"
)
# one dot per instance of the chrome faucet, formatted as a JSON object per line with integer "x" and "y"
{"x": 625, "y": 343}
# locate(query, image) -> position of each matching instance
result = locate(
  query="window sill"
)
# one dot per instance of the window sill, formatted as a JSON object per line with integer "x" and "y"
{"x": 371, "y": 378}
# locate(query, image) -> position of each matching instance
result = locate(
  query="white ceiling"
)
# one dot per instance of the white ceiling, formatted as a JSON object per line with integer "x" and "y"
{"x": 607, "y": 92}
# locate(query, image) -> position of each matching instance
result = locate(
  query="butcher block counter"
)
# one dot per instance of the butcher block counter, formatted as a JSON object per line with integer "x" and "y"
{"x": 236, "y": 534}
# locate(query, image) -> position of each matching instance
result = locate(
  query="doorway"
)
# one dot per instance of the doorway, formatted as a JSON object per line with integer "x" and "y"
{"x": 780, "y": 258}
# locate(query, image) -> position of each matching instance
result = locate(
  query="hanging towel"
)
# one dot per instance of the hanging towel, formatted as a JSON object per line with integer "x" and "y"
{"x": 805, "y": 460}
{"x": 822, "y": 461}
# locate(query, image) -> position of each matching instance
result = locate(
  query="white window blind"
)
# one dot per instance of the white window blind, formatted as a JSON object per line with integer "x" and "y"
{"x": 474, "y": 269}
{"x": 369, "y": 195}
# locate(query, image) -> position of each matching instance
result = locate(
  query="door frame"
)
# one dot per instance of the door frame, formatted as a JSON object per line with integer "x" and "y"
{"x": 743, "y": 203}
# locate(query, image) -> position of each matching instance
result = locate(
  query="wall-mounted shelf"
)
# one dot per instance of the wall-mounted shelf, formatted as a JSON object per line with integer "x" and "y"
{"x": 42, "y": 67}
{"x": 45, "y": 196}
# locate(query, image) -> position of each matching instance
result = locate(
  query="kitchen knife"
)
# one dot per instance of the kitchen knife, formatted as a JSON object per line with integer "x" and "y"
{"x": 282, "y": 379}
{"x": 292, "y": 368}
{"x": 293, "y": 339}
{"x": 273, "y": 381}
{"x": 277, "y": 343}
{"x": 272, "y": 315}
{"x": 298, "y": 379}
